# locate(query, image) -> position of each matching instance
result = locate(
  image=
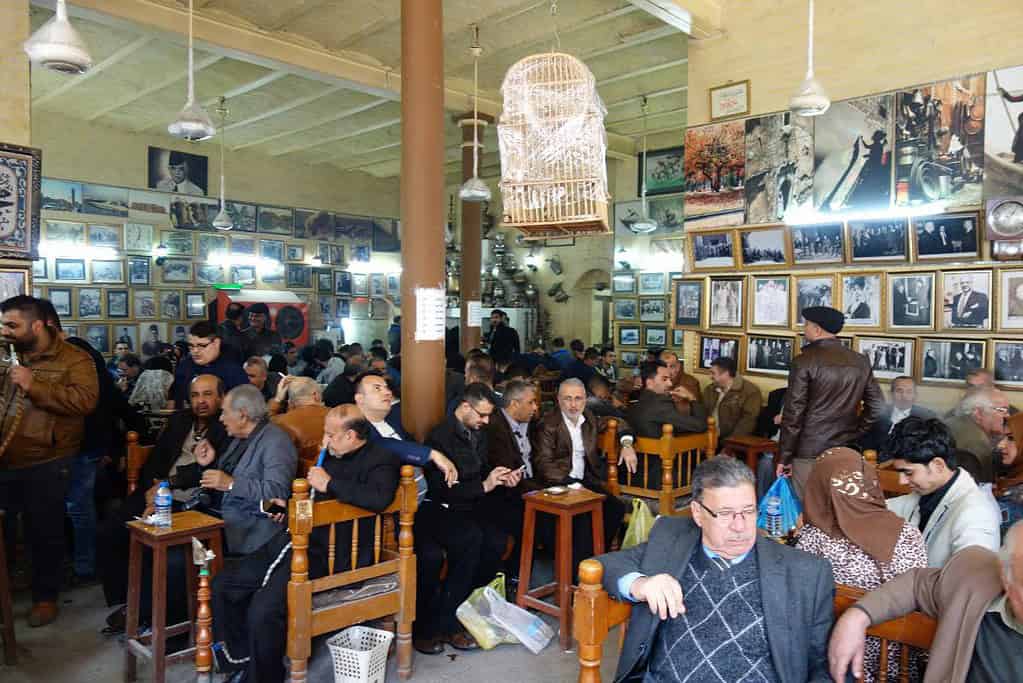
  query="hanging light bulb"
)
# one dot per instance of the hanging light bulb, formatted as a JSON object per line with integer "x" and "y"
{"x": 810, "y": 99}
{"x": 223, "y": 220}
{"x": 645, "y": 225}
{"x": 57, "y": 45}
{"x": 474, "y": 189}
{"x": 193, "y": 123}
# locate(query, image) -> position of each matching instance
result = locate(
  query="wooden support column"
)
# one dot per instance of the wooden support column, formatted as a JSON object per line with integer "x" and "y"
{"x": 472, "y": 217}
{"x": 423, "y": 209}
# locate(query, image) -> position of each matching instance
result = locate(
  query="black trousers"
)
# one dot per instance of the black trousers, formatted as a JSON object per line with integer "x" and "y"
{"x": 505, "y": 510}
{"x": 473, "y": 547}
{"x": 38, "y": 493}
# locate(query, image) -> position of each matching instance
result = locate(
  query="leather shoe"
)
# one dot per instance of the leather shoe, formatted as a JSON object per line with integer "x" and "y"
{"x": 462, "y": 641}
{"x": 428, "y": 646}
{"x": 43, "y": 613}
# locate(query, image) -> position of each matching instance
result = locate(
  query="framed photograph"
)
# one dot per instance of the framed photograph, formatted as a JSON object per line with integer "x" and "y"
{"x": 61, "y": 195}
{"x": 324, "y": 280}
{"x": 911, "y": 301}
{"x": 655, "y": 336}
{"x": 394, "y": 285}
{"x": 117, "y": 303}
{"x": 271, "y": 249}
{"x": 69, "y": 269}
{"x": 852, "y": 148}
{"x": 769, "y": 302}
{"x": 177, "y": 270}
{"x": 326, "y": 307}
{"x": 63, "y": 233}
{"x": 862, "y": 300}
{"x": 687, "y": 302}
{"x": 628, "y": 335}
{"x": 195, "y": 305}
{"x": 715, "y": 197}
{"x": 209, "y": 246}
{"x": 209, "y": 274}
{"x": 270, "y": 271}
{"x": 662, "y": 173}
{"x": 296, "y": 252}
{"x": 152, "y": 335}
{"x": 713, "y": 346}
{"x": 820, "y": 243}
{"x": 178, "y": 243}
{"x": 98, "y": 337}
{"x": 712, "y": 250}
{"x": 60, "y": 297}
{"x": 125, "y": 334}
{"x": 275, "y": 220}
{"x": 1008, "y": 362}
{"x": 769, "y": 355}
{"x": 966, "y": 300}
{"x": 108, "y": 272}
{"x": 149, "y": 206}
{"x": 71, "y": 330}
{"x": 243, "y": 215}
{"x": 179, "y": 172}
{"x": 107, "y": 236}
{"x": 139, "y": 268}
{"x": 138, "y": 237}
{"x": 144, "y": 304}
{"x": 726, "y": 302}
{"x": 361, "y": 253}
{"x": 243, "y": 275}
{"x": 193, "y": 213}
{"x": 889, "y": 357}
{"x": 629, "y": 359}
{"x": 386, "y": 235}
{"x": 812, "y": 290}
{"x": 39, "y": 268}
{"x": 677, "y": 338}
{"x": 652, "y": 284}
{"x": 299, "y": 276}
{"x": 880, "y": 239}
{"x": 170, "y": 304}
{"x": 944, "y": 361}
{"x": 377, "y": 285}
{"x": 728, "y": 100}
{"x": 105, "y": 200}
{"x": 946, "y": 236}
{"x": 180, "y": 333}
{"x": 652, "y": 311}
{"x": 245, "y": 246}
{"x": 1010, "y": 301}
{"x": 13, "y": 282}
{"x": 779, "y": 167}
{"x": 342, "y": 282}
{"x": 764, "y": 248}
{"x": 623, "y": 282}
{"x": 360, "y": 284}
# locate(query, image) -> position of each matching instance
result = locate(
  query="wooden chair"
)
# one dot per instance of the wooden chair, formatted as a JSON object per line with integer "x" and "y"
{"x": 548, "y": 382}
{"x": 595, "y": 613}
{"x": 886, "y": 476}
{"x": 678, "y": 457}
{"x": 306, "y": 620}
{"x": 137, "y": 456}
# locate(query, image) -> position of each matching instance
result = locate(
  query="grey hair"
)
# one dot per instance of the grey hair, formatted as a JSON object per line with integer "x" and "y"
{"x": 719, "y": 472}
{"x": 302, "y": 389}
{"x": 978, "y": 399}
{"x": 572, "y": 382}
{"x": 516, "y": 389}
{"x": 247, "y": 399}
{"x": 255, "y": 361}
{"x": 1008, "y": 549}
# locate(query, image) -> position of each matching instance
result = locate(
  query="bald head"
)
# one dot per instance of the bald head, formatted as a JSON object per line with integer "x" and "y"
{"x": 345, "y": 430}
{"x": 205, "y": 395}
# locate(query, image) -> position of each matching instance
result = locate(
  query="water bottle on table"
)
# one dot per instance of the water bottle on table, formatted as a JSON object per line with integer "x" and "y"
{"x": 163, "y": 503}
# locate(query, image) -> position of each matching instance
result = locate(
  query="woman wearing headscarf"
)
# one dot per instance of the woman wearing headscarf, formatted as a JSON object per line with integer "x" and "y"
{"x": 847, "y": 522}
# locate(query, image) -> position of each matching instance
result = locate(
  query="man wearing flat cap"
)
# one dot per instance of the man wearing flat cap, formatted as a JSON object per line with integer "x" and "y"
{"x": 827, "y": 382}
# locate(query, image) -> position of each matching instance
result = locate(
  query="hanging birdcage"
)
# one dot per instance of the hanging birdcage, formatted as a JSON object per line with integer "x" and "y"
{"x": 553, "y": 146}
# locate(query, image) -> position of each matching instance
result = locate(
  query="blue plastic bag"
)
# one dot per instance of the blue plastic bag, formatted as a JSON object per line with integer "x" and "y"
{"x": 778, "y": 522}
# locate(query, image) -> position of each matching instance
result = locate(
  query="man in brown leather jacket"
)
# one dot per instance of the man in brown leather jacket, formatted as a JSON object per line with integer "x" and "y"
{"x": 822, "y": 404}
{"x": 305, "y": 417}
{"x": 60, "y": 387}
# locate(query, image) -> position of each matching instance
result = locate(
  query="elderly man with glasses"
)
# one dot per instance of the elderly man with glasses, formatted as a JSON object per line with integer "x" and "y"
{"x": 724, "y": 603}
{"x": 978, "y": 424}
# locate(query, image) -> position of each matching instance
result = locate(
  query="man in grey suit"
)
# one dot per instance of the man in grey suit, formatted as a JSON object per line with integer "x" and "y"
{"x": 724, "y": 603}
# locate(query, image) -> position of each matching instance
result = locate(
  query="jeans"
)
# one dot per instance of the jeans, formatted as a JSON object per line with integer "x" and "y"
{"x": 81, "y": 508}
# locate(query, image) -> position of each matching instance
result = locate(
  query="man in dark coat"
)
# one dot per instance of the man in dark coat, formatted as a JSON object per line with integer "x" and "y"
{"x": 503, "y": 341}
{"x": 656, "y": 408}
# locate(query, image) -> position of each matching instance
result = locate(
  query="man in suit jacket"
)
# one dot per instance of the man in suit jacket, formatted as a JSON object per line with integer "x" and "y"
{"x": 903, "y": 405}
{"x": 969, "y": 307}
{"x": 656, "y": 407}
{"x": 724, "y": 603}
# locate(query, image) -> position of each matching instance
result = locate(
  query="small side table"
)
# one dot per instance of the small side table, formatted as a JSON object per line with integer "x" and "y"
{"x": 564, "y": 507}
{"x": 184, "y": 526}
{"x": 751, "y": 448}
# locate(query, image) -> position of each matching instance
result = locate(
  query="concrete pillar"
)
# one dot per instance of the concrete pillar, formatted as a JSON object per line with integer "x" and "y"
{"x": 472, "y": 217}
{"x": 16, "y": 104}
{"x": 423, "y": 209}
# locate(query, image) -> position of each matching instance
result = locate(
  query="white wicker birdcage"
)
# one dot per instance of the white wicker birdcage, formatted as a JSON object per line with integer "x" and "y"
{"x": 553, "y": 147}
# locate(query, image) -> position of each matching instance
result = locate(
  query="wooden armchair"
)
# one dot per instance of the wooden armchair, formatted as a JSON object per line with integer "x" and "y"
{"x": 308, "y": 617}
{"x": 678, "y": 457}
{"x": 137, "y": 456}
{"x": 886, "y": 476}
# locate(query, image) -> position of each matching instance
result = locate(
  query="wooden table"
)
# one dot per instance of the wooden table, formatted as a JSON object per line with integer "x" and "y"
{"x": 564, "y": 507}
{"x": 184, "y": 527}
{"x": 751, "y": 448}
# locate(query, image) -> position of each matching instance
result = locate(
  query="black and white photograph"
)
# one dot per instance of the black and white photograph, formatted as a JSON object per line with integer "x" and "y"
{"x": 178, "y": 243}
{"x": 712, "y": 348}
{"x": 108, "y": 272}
{"x": 394, "y": 285}
{"x": 655, "y": 337}
{"x": 303, "y": 218}
{"x": 357, "y": 228}
{"x": 89, "y": 303}
{"x": 139, "y": 268}
{"x": 98, "y": 337}
{"x": 770, "y": 302}
{"x": 948, "y": 362}
{"x": 1009, "y": 363}
{"x": 144, "y": 303}
{"x": 209, "y": 274}
{"x": 820, "y": 243}
{"x": 779, "y": 166}
{"x": 763, "y": 247}
{"x": 271, "y": 249}
{"x": 713, "y": 250}
{"x": 1003, "y": 142}
{"x": 629, "y": 359}
{"x": 275, "y": 220}
{"x": 677, "y": 338}
{"x": 69, "y": 269}
{"x": 244, "y": 246}
{"x": 1010, "y": 300}
{"x": 13, "y": 283}
{"x": 853, "y": 155}
{"x": 106, "y": 236}
{"x": 687, "y": 301}
{"x": 117, "y": 303}
{"x": 652, "y": 284}
{"x": 299, "y": 276}
{"x": 61, "y": 195}
{"x": 178, "y": 172}
{"x": 271, "y": 271}
{"x": 946, "y": 236}
{"x": 652, "y": 311}
{"x": 326, "y": 308}
{"x": 195, "y": 305}
{"x": 170, "y": 304}
{"x": 151, "y": 336}
{"x": 105, "y": 200}
{"x": 324, "y": 280}
{"x": 769, "y": 355}
{"x": 623, "y": 283}
{"x": 862, "y": 299}
{"x": 881, "y": 239}
{"x": 126, "y": 334}
{"x": 628, "y": 335}
{"x": 138, "y": 237}
{"x": 149, "y": 206}
{"x": 242, "y": 215}
{"x": 911, "y": 301}
{"x": 180, "y": 334}
{"x": 726, "y": 303}
{"x": 361, "y": 253}
{"x": 243, "y": 275}
{"x": 377, "y": 286}
{"x": 966, "y": 299}
{"x": 211, "y": 246}
{"x": 193, "y": 213}
{"x": 65, "y": 234}
{"x": 386, "y": 235}
{"x": 342, "y": 282}
{"x": 61, "y": 300}
{"x": 343, "y": 309}
{"x": 813, "y": 291}
{"x": 360, "y": 284}
{"x": 39, "y": 269}
{"x": 296, "y": 252}
{"x": 889, "y": 358}
{"x": 625, "y": 309}
{"x": 177, "y": 270}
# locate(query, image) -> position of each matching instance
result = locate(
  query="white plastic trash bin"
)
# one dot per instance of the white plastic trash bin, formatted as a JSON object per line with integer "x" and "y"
{"x": 360, "y": 654}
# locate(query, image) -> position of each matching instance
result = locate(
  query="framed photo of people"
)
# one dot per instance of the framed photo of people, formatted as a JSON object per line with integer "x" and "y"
{"x": 769, "y": 355}
{"x": 652, "y": 310}
{"x": 882, "y": 239}
{"x": 89, "y": 303}
{"x": 947, "y": 361}
{"x": 628, "y": 335}
{"x": 1008, "y": 362}
{"x": 713, "y": 346}
{"x": 820, "y": 243}
{"x": 769, "y": 301}
{"x": 652, "y": 284}
{"x": 687, "y": 302}
{"x": 764, "y": 248}
{"x": 966, "y": 300}
{"x": 726, "y": 302}
{"x": 629, "y": 359}
{"x": 1010, "y": 301}
{"x": 946, "y": 236}
{"x": 889, "y": 357}
{"x": 117, "y": 303}
{"x": 655, "y": 336}
{"x": 862, "y": 299}
{"x": 60, "y": 297}
{"x": 812, "y": 290}
{"x": 623, "y": 283}
{"x": 712, "y": 250}
{"x": 626, "y": 309}
{"x": 911, "y": 301}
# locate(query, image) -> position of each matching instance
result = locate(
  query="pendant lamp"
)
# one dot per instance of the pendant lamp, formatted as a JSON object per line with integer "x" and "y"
{"x": 193, "y": 123}
{"x": 223, "y": 220}
{"x": 810, "y": 99}
{"x": 474, "y": 189}
{"x": 57, "y": 45}
{"x": 645, "y": 225}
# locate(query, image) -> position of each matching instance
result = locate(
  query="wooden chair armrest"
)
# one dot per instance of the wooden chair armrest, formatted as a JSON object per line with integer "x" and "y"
{"x": 594, "y": 614}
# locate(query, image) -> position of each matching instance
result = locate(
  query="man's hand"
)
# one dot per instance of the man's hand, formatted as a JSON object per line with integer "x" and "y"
{"x": 682, "y": 393}
{"x": 215, "y": 479}
{"x": 628, "y": 456}
{"x": 280, "y": 517}
{"x": 512, "y": 479}
{"x": 282, "y": 388}
{"x": 783, "y": 470}
{"x": 318, "y": 478}
{"x": 662, "y": 594}
{"x": 494, "y": 479}
{"x": 446, "y": 467}
{"x": 22, "y": 377}
{"x": 204, "y": 453}
{"x": 845, "y": 650}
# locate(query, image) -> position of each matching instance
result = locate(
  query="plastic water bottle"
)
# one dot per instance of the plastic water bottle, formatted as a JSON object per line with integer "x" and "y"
{"x": 774, "y": 523}
{"x": 163, "y": 503}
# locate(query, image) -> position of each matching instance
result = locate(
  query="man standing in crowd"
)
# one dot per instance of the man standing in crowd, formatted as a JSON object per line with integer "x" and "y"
{"x": 305, "y": 417}
{"x": 827, "y": 382}
{"x": 978, "y": 425}
{"x": 56, "y": 386}
{"x": 732, "y": 400}
{"x": 655, "y": 407}
{"x": 232, "y": 332}
{"x": 503, "y": 340}
{"x": 260, "y": 340}
{"x": 206, "y": 358}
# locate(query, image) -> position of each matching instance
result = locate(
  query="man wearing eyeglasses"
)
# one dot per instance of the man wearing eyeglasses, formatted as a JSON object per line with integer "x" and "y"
{"x": 722, "y": 602}
{"x": 206, "y": 357}
{"x": 978, "y": 425}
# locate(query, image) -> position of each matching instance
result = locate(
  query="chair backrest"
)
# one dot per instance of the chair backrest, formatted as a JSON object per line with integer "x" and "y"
{"x": 886, "y": 476}
{"x": 137, "y": 454}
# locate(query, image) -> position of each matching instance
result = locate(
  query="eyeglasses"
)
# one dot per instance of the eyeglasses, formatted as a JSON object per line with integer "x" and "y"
{"x": 1004, "y": 410}
{"x": 725, "y": 517}
{"x": 483, "y": 416}
{"x": 200, "y": 347}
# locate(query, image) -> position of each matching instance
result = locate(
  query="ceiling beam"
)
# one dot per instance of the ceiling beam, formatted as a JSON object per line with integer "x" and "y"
{"x": 386, "y": 123}
{"x": 117, "y": 57}
{"x": 698, "y": 18}
{"x": 642, "y": 72}
{"x": 156, "y": 87}
{"x": 319, "y": 122}
{"x": 284, "y": 108}
{"x": 649, "y": 95}
{"x": 244, "y": 88}
{"x": 651, "y": 115}
{"x": 299, "y": 10}
{"x": 635, "y": 40}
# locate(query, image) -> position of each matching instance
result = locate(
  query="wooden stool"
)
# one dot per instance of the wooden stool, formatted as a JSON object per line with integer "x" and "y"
{"x": 564, "y": 507}
{"x": 751, "y": 448}
{"x": 6, "y": 609}
{"x": 185, "y": 526}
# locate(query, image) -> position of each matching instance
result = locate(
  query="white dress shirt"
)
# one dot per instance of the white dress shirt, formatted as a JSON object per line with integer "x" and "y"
{"x": 898, "y": 416}
{"x": 575, "y": 431}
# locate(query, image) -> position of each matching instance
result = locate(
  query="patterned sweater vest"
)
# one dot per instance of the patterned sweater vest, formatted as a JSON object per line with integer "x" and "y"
{"x": 721, "y": 637}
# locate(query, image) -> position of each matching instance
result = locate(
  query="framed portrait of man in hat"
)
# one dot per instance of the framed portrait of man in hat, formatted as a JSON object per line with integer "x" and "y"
{"x": 179, "y": 172}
